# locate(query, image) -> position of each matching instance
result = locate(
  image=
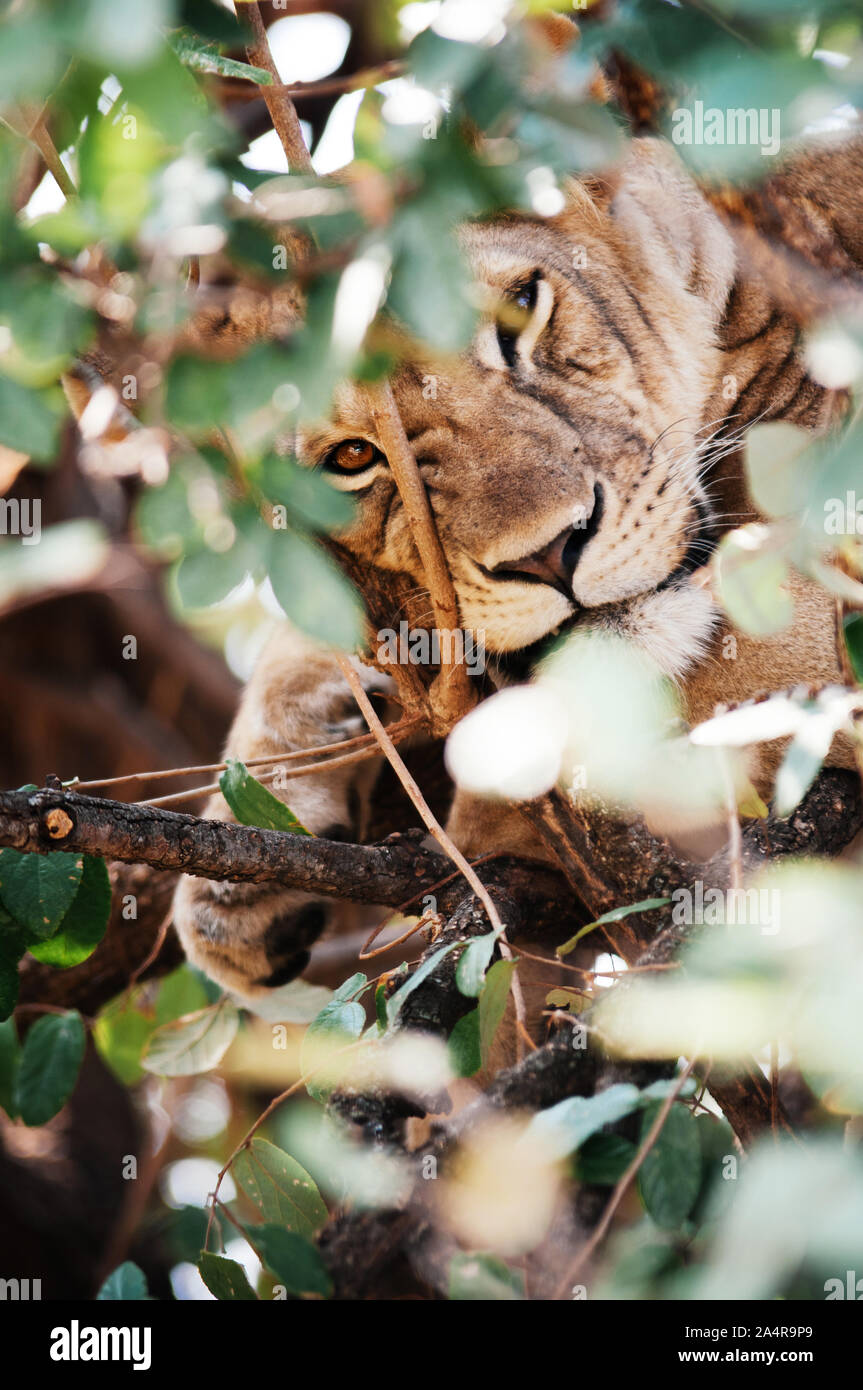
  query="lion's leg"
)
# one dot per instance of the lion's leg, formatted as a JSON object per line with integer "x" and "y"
{"x": 250, "y": 937}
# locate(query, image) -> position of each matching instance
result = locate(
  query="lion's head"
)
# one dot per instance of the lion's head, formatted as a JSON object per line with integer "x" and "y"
{"x": 562, "y": 452}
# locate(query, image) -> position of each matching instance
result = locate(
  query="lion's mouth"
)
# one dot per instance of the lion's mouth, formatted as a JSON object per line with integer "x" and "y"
{"x": 518, "y": 665}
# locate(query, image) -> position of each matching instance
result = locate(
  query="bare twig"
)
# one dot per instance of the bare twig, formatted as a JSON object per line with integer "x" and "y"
{"x": 283, "y": 114}
{"x": 436, "y": 829}
{"x": 452, "y": 694}
{"x": 240, "y": 90}
{"x": 563, "y": 1289}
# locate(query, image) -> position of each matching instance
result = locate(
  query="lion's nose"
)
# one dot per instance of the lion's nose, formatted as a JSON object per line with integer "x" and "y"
{"x": 556, "y": 563}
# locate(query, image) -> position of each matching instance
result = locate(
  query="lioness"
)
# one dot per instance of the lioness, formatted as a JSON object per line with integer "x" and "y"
{"x": 565, "y": 460}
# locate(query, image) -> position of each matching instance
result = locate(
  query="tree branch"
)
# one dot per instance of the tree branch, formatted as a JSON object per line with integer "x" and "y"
{"x": 390, "y": 874}
{"x": 283, "y": 115}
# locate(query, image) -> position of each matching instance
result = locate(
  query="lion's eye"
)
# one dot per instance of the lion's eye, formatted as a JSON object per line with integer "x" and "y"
{"x": 351, "y": 457}
{"x": 520, "y": 304}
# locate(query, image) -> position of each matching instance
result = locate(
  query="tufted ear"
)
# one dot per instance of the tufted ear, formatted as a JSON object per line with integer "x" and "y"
{"x": 666, "y": 220}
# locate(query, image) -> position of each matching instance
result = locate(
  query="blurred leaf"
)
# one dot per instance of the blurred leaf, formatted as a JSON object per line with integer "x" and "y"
{"x": 777, "y": 467}
{"x": 492, "y": 1003}
{"x": 252, "y": 804}
{"x": 30, "y": 56}
{"x": 752, "y": 580}
{"x": 29, "y": 420}
{"x": 205, "y": 577}
{"x": 280, "y": 1188}
{"x": 670, "y": 1176}
{"x": 337, "y": 1025}
{"x": 567, "y": 1125}
{"x": 47, "y": 325}
{"x": 430, "y": 284}
{"x": 37, "y": 889}
{"x": 50, "y": 1061}
{"x": 127, "y": 1284}
{"x": 225, "y": 1279}
{"x": 294, "y": 1261}
{"x": 603, "y": 1159}
{"x": 194, "y": 1044}
{"x": 202, "y": 55}
{"x": 484, "y": 1278}
{"x": 313, "y": 591}
{"x": 463, "y": 1045}
{"x": 306, "y": 494}
{"x": 121, "y": 1033}
{"x": 10, "y": 1052}
{"x": 85, "y": 921}
{"x": 802, "y": 762}
{"x": 181, "y": 992}
{"x": 67, "y": 555}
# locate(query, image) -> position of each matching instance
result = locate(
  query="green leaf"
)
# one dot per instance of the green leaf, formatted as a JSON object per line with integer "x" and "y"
{"x": 463, "y": 1045}
{"x": 47, "y": 327}
{"x": 280, "y": 1188}
{"x": 306, "y": 494}
{"x": 294, "y": 1261}
{"x": 484, "y": 1278}
{"x": 603, "y": 1159}
{"x": 37, "y": 889}
{"x": 473, "y": 963}
{"x": 670, "y": 1176}
{"x": 252, "y": 804}
{"x": 752, "y": 580}
{"x": 777, "y": 468}
{"x": 422, "y": 972}
{"x": 338, "y": 1024}
{"x": 492, "y": 1003}
{"x": 203, "y": 56}
{"x": 29, "y": 420}
{"x": 615, "y": 915}
{"x": 120, "y": 1035}
{"x": 567, "y": 1125}
{"x": 853, "y": 629}
{"x": 83, "y": 926}
{"x": 10, "y": 1053}
{"x": 127, "y": 1284}
{"x": 13, "y": 944}
{"x": 180, "y": 993}
{"x": 205, "y": 577}
{"x": 225, "y": 1279}
{"x": 313, "y": 592}
{"x": 50, "y": 1061}
{"x": 194, "y": 1044}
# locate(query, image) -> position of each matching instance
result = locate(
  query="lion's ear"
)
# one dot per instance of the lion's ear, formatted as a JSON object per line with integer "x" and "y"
{"x": 665, "y": 218}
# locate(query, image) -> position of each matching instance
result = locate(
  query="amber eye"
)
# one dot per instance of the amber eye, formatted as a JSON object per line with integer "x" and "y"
{"x": 352, "y": 456}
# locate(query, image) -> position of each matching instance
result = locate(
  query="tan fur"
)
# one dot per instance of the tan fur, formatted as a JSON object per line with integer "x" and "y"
{"x": 647, "y": 301}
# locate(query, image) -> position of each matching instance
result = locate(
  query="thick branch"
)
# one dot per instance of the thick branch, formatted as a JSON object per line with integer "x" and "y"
{"x": 388, "y": 874}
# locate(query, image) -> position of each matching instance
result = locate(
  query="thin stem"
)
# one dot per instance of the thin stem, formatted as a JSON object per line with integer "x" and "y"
{"x": 283, "y": 115}
{"x": 361, "y": 741}
{"x": 565, "y": 1286}
{"x": 456, "y": 696}
{"x": 435, "y": 828}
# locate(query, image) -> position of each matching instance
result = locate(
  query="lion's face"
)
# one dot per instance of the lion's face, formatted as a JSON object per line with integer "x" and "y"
{"x": 561, "y": 452}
